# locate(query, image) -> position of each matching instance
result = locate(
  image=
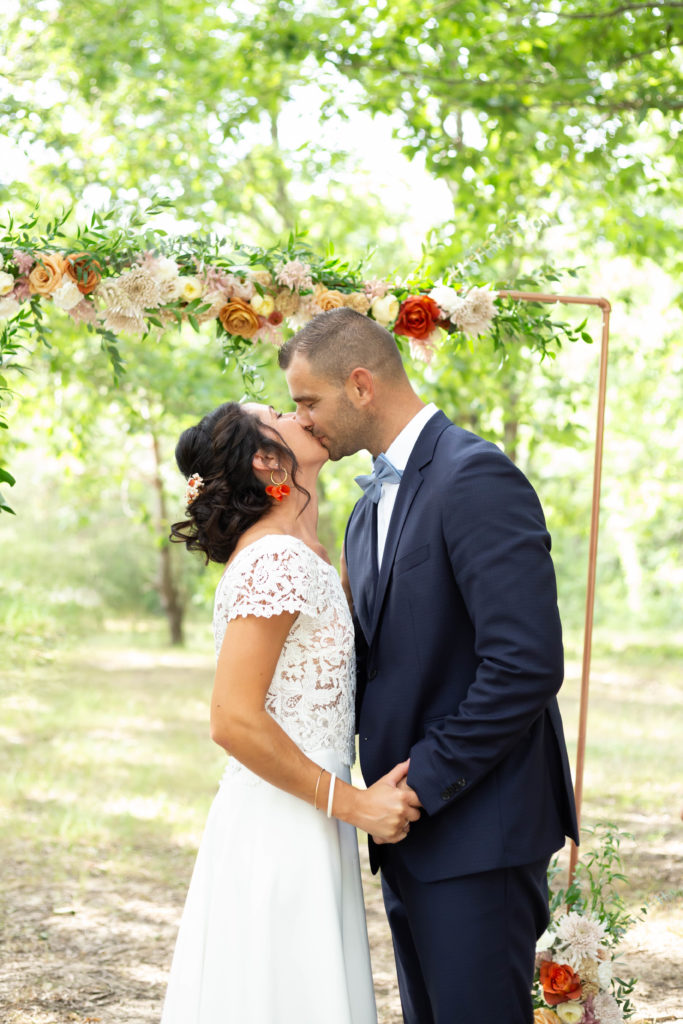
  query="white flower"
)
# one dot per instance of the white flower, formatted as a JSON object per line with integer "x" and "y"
{"x": 424, "y": 348}
{"x": 306, "y": 310}
{"x": 385, "y": 309}
{"x": 570, "y": 1012}
{"x": 8, "y": 307}
{"x": 6, "y": 282}
{"x": 546, "y": 940}
{"x": 192, "y": 288}
{"x": 474, "y": 312}
{"x": 606, "y": 1009}
{"x": 163, "y": 269}
{"x": 446, "y": 298}
{"x": 578, "y": 936}
{"x": 604, "y": 973}
{"x": 67, "y": 295}
{"x": 262, "y": 304}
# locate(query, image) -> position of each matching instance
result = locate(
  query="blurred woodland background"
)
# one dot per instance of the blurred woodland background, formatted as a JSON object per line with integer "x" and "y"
{"x": 542, "y": 139}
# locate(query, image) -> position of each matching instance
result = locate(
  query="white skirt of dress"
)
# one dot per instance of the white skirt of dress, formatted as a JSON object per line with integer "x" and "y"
{"x": 273, "y": 930}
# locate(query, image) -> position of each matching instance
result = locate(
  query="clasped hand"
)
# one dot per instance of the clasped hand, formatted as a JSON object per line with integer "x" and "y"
{"x": 391, "y": 806}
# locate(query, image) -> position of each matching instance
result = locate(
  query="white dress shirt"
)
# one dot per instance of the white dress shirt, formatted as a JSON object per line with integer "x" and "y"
{"x": 398, "y": 453}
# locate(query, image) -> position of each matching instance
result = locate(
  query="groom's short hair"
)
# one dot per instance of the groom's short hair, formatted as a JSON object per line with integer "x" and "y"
{"x": 339, "y": 340}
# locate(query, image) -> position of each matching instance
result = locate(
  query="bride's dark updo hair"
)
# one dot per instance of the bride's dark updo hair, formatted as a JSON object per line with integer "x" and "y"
{"x": 221, "y": 448}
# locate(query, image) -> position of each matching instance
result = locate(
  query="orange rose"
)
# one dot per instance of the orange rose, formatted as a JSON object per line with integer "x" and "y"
{"x": 239, "y": 317}
{"x": 46, "y": 275}
{"x": 83, "y": 270}
{"x": 559, "y": 983}
{"x": 417, "y": 317}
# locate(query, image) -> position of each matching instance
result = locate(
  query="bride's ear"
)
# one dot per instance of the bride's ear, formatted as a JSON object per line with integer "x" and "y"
{"x": 265, "y": 462}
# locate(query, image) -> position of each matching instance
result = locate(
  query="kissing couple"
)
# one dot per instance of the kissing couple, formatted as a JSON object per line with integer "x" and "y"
{"x": 439, "y": 643}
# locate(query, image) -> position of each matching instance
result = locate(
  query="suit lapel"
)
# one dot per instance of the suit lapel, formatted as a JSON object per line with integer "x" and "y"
{"x": 412, "y": 481}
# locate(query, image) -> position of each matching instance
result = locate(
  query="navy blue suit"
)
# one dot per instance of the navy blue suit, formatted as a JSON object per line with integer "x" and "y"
{"x": 460, "y": 659}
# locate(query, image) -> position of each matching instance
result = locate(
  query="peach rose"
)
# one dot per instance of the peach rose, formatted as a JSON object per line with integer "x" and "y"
{"x": 544, "y": 1016}
{"x": 238, "y": 317}
{"x": 84, "y": 271}
{"x": 47, "y": 274}
{"x": 417, "y": 317}
{"x": 559, "y": 983}
{"x": 329, "y": 299}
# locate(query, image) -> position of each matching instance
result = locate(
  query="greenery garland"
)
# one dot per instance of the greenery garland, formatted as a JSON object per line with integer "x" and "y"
{"x": 117, "y": 275}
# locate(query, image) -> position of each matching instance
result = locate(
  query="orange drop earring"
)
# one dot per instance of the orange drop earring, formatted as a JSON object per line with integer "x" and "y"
{"x": 280, "y": 490}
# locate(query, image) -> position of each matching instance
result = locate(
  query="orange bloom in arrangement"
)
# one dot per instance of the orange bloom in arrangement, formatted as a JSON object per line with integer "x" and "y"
{"x": 543, "y": 1016}
{"x": 559, "y": 982}
{"x": 46, "y": 275}
{"x": 238, "y": 317}
{"x": 417, "y": 317}
{"x": 83, "y": 270}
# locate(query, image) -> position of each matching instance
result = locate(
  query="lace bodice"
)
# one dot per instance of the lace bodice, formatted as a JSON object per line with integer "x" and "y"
{"x": 312, "y": 694}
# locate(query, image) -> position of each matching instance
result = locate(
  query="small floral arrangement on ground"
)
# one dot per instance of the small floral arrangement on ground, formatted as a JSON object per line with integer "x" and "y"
{"x": 576, "y": 962}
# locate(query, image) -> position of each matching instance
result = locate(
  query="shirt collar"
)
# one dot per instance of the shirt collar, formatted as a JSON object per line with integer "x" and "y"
{"x": 401, "y": 447}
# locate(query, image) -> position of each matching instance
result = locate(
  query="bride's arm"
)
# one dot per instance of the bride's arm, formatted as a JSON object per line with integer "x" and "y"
{"x": 242, "y": 726}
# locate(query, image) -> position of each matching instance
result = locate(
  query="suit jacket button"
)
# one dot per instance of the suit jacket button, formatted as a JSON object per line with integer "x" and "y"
{"x": 372, "y": 673}
{"x": 447, "y": 794}
{"x": 460, "y": 783}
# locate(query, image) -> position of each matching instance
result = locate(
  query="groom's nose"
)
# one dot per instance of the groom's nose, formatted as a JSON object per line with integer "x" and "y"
{"x": 303, "y": 417}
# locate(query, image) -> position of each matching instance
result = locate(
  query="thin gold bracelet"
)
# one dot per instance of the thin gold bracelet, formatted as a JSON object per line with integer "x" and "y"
{"x": 317, "y": 787}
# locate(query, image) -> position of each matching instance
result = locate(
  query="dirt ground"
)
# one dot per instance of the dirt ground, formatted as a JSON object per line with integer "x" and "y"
{"x": 97, "y": 949}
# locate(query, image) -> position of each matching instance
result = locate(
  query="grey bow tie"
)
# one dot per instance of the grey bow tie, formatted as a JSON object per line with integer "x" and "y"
{"x": 382, "y": 473}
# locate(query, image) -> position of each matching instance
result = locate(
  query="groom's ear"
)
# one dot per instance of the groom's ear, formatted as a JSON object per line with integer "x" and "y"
{"x": 360, "y": 386}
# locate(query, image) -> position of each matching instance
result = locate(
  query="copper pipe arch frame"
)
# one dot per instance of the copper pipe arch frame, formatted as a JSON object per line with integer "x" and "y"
{"x": 584, "y": 300}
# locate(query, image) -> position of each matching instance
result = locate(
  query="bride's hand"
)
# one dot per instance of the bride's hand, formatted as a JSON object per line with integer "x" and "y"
{"x": 387, "y": 808}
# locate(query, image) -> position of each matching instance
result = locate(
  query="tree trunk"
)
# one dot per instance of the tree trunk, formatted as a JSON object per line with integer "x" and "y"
{"x": 167, "y": 586}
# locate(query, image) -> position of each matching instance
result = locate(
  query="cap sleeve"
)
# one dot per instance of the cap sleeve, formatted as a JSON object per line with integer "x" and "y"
{"x": 277, "y": 578}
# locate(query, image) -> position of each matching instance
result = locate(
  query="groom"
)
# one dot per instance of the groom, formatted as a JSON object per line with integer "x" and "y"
{"x": 460, "y": 659}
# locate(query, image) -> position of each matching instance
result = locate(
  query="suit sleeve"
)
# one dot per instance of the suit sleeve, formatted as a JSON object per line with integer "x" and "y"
{"x": 499, "y": 550}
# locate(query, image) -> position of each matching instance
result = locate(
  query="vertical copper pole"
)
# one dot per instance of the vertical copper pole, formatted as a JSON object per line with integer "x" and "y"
{"x": 584, "y": 300}
{"x": 590, "y": 588}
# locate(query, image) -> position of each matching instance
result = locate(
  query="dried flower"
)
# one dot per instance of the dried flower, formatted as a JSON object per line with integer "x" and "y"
{"x": 295, "y": 275}
{"x": 84, "y": 312}
{"x": 287, "y": 302}
{"x": 139, "y": 290}
{"x": 375, "y": 289}
{"x": 424, "y": 348}
{"x": 215, "y": 301}
{"x": 306, "y": 310}
{"x": 261, "y": 277}
{"x": 474, "y": 313}
{"x": 606, "y": 1009}
{"x": 545, "y": 1016}
{"x": 578, "y": 937}
{"x": 24, "y": 261}
{"x": 357, "y": 301}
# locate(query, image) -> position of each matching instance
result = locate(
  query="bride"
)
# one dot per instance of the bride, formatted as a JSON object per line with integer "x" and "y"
{"x": 273, "y": 930}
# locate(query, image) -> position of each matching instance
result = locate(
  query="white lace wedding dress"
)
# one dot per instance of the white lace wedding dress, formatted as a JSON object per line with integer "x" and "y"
{"x": 273, "y": 930}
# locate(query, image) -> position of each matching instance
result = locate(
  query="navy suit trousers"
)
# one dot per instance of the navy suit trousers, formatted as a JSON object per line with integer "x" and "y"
{"x": 465, "y": 946}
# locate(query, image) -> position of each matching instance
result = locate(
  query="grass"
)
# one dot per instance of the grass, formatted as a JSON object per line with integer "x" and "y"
{"x": 107, "y": 756}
